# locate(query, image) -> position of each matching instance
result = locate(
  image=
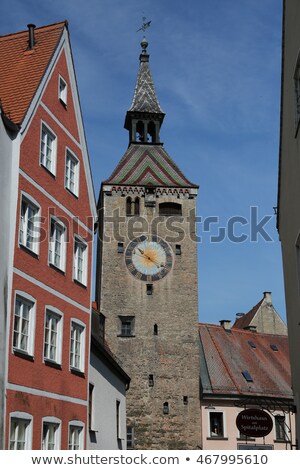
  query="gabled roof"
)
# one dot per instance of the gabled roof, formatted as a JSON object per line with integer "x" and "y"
{"x": 21, "y": 69}
{"x": 246, "y": 319}
{"x": 225, "y": 355}
{"x": 144, "y": 165}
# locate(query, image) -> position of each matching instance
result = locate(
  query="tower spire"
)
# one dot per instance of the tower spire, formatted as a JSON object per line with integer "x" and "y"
{"x": 145, "y": 116}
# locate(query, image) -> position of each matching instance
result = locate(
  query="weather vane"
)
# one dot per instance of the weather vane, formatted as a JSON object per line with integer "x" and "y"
{"x": 146, "y": 24}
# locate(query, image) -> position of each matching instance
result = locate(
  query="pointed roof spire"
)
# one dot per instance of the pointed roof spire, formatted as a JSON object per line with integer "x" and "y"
{"x": 144, "y": 98}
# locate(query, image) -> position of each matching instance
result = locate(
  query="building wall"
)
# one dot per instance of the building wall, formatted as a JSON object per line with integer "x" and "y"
{"x": 289, "y": 190}
{"x": 108, "y": 389}
{"x": 232, "y": 439}
{"x": 9, "y": 156}
{"x": 36, "y": 386}
{"x": 171, "y": 356}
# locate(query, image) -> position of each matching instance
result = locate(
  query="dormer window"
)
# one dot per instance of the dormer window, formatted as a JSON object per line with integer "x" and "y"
{"x": 62, "y": 90}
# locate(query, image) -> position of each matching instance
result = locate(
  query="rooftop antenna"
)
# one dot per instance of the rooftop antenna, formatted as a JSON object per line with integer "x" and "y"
{"x": 145, "y": 25}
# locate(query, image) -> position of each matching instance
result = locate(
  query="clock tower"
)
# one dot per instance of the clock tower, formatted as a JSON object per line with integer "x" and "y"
{"x": 147, "y": 280}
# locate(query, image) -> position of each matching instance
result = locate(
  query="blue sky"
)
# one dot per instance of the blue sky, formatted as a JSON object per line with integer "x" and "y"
{"x": 216, "y": 66}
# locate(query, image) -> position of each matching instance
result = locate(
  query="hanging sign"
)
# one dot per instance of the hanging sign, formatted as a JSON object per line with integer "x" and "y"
{"x": 254, "y": 422}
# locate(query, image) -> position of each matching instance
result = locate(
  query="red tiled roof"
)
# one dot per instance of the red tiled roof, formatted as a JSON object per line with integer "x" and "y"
{"x": 21, "y": 70}
{"x": 225, "y": 355}
{"x": 246, "y": 319}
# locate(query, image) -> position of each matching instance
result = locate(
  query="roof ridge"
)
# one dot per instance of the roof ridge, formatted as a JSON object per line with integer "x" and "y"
{"x": 58, "y": 23}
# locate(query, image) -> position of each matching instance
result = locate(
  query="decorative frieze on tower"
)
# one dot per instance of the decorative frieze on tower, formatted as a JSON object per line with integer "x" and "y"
{"x": 147, "y": 279}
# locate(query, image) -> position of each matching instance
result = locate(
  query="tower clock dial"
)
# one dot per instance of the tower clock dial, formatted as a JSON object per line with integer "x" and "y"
{"x": 148, "y": 258}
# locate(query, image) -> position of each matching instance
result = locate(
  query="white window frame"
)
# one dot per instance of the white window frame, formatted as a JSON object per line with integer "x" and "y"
{"x": 81, "y": 330}
{"x": 224, "y": 424}
{"x": 31, "y": 302}
{"x": 71, "y": 157}
{"x": 46, "y": 130}
{"x": 54, "y": 313}
{"x": 62, "y": 92}
{"x": 25, "y": 220}
{"x": 77, "y": 268}
{"x": 60, "y": 228}
{"x": 76, "y": 426}
{"x": 53, "y": 422}
{"x": 21, "y": 418}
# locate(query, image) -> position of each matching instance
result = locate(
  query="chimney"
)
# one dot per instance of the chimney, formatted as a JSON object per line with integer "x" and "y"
{"x": 268, "y": 297}
{"x": 226, "y": 324}
{"x": 239, "y": 315}
{"x": 31, "y": 38}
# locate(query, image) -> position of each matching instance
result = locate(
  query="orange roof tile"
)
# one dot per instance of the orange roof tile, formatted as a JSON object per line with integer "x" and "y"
{"x": 21, "y": 70}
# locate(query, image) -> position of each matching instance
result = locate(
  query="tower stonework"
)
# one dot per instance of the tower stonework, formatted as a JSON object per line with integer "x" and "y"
{"x": 147, "y": 280}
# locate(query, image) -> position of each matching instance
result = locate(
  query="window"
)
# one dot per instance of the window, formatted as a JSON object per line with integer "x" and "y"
{"x": 247, "y": 376}
{"x": 170, "y": 208}
{"x": 166, "y": 408}
{"x": 80, "y": 261}
{"x": 151, "y": 380}
{"x": 53, "y": 336}
{"x": 120, "y": 247}
{"x": 178, "y": 249}
{"x": 91, "y": 396}
{"x": 23, "y": 337}
{"x": 51, "y": 434}
{"x": 216, "y": 424}
{"x": 127, "y": 326}
{"x": 128, "y": 206}
{"x": 252, "y": 344}
{"x": 77, "y": 346}
{"x": 75, "y": 436}
{"x": 274, "y": 347}
{"x": 29, "y": 225}
{"x": 62, "y": 90}
{"x": 185, "y": 399}
{"x": 118, "y": 404}
{"x": 132, "y": 206}
{"x": 149, "y": 289}
{"x": 57, "y": 245}
{"x": 280, "y": 427}
{"x": 130, "y": 437}
{"x": 72, "y": 173}
{"x": 20, "y": 432}
{"x": 155, "y": 329}
{"x": 48, "y": 149}
{"x": 136, "y": 206}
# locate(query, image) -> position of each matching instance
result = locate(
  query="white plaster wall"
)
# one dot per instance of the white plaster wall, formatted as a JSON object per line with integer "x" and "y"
{"x": 231, "y": 433}
{"x": 9, "y": 164}
{"x": 108, "y": 388}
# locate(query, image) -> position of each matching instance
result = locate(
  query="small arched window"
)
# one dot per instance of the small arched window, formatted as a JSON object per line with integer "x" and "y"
{"x": 170, "y": 208}
{"x": 128, "y": 205}
{"x": 137, "y": 206}
{"x": 140, "y": 131}
{"x": 151, "y": 132}
{"x": 155, "y": 330}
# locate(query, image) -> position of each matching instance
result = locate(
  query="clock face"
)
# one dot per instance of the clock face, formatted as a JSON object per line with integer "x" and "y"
{"x": 148, "y": 258}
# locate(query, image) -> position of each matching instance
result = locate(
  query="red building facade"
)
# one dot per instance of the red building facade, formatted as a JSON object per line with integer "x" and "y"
{"x": 48, "y": 277}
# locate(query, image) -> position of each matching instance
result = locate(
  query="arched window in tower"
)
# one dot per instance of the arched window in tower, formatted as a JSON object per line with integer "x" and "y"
{"x": 137, "y": 206}
{"x": 155, "y": 329}
{"x": 170, "y": 208}
{"x": 166, "y": 408}
{"x": 151, "y": 132}
{"x": 140, "y": 131}
{"x": 128, "y": 205}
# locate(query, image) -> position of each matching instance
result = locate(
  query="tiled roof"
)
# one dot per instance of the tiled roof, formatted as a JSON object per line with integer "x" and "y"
{"x": 148, "y": 165}
{"x": 144, "y": 98}
{"x": 246, "y": 319}
{"x": 21, "y": 70}
{"x": 226, "y": 354}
